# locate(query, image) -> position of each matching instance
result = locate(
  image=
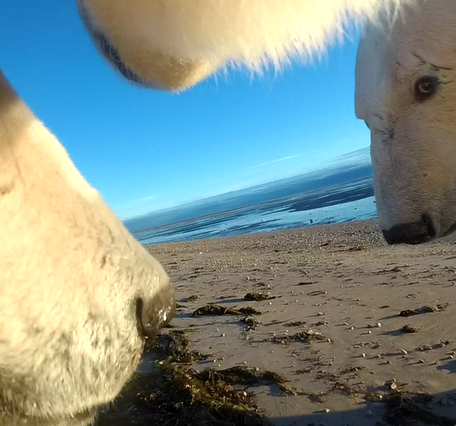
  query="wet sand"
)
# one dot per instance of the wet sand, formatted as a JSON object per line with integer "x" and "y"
{"x": 342, "y": 281}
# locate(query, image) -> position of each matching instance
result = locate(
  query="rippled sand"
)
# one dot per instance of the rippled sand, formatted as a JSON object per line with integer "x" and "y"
{"x": 341, "y": 281}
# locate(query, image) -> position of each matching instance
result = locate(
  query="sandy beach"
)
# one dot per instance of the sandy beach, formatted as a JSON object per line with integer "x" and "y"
{"x": 347, "y": 319}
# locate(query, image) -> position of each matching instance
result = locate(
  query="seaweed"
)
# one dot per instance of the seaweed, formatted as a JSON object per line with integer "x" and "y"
{"x": 258, "y": 297}
{"x": 409, "y": 329}
{"x": 213, "y": 309}
{"x": 306, "y": 336}
{"x": 175, "y": 394}
{"x": 251, "y": 323}
{"x": 407, "y": 408}
{"x": 423, "y": 310}
{"x": 191, "y": 299}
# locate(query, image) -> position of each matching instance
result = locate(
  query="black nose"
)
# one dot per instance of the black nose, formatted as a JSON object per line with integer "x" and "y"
{"x": 156, "y": 313}
{"x": 411, "y": 233}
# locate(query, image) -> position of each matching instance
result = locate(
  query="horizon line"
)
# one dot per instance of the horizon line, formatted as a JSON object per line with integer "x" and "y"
{"x": 223, "y": 192}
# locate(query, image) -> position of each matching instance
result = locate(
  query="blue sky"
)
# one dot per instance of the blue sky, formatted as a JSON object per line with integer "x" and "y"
{"x": 146, "y": 150}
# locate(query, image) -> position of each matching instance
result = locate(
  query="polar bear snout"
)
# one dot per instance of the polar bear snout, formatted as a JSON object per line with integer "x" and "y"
{"x": 135, "y": 57}
{"x": 411, "y": 233}
{"x": 154, "y": 313}
{"x": 106, "y": 48}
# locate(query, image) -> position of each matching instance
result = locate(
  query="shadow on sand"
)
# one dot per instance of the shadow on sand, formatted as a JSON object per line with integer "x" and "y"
{"x": 167, "y": 392}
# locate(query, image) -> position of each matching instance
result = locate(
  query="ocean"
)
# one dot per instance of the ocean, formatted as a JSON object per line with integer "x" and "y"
{"x": 347, "y": 202}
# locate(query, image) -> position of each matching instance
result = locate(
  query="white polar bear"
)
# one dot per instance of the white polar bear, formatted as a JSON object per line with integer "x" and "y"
{"x": 406, "y": 93}
{"x": 77, "y": 292}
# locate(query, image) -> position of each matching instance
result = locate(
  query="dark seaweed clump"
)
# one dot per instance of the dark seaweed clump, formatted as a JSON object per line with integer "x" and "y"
{"x": 306, "y": 336}
{"x": 213, "y": 309}
{"x": 258, "y": 297}
{"x": 175, "y": 394}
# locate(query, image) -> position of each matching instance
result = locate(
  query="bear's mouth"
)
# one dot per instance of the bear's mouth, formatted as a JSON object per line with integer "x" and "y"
{"x": 106, "y": 48}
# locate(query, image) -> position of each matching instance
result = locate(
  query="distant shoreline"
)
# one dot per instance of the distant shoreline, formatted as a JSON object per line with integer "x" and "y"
{"x": 344, "y": 203}
{"x": 323, "y": 229}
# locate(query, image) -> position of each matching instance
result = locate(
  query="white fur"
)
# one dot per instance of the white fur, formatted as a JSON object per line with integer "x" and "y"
{"x": 209, "y": 34}
{"x": 413, "y": 143}
{"x": 70, "y": 275}
{"x": 70, "y": 272}
{"x": 247, "y": 31}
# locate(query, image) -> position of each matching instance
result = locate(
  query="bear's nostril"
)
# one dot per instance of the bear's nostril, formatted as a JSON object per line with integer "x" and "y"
{"x": 429, "y": 225}
{"x": 154, "y": 312}
{"x": 139, "y": 306}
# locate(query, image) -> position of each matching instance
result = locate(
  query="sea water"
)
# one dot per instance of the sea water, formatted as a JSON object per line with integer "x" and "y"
{"x": 266, "y": 217}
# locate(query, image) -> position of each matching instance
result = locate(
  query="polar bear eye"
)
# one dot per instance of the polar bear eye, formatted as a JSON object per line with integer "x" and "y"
{"x": 425, "y": 87}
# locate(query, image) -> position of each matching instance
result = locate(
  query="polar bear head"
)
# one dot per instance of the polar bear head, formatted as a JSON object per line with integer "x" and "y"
{"x": 406, "y": 94}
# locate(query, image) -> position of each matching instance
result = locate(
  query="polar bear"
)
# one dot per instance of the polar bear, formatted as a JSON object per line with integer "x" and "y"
{"x": 406, "y": 94}
{"x": 78, "y": 293}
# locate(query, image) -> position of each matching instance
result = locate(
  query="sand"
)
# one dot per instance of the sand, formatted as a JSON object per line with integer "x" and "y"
{"x": 342, "y": 281}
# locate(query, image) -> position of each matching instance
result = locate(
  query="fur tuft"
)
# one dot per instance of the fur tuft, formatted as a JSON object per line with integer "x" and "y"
{"x": 251, "y": 33}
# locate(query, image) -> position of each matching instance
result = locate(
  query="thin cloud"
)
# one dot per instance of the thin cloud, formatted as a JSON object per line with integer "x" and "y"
{"x": 278, "y": 160}
{"x": 342, "y": 141}
{"x": 146, "y": 199}
{"x": 289, "y": 157}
